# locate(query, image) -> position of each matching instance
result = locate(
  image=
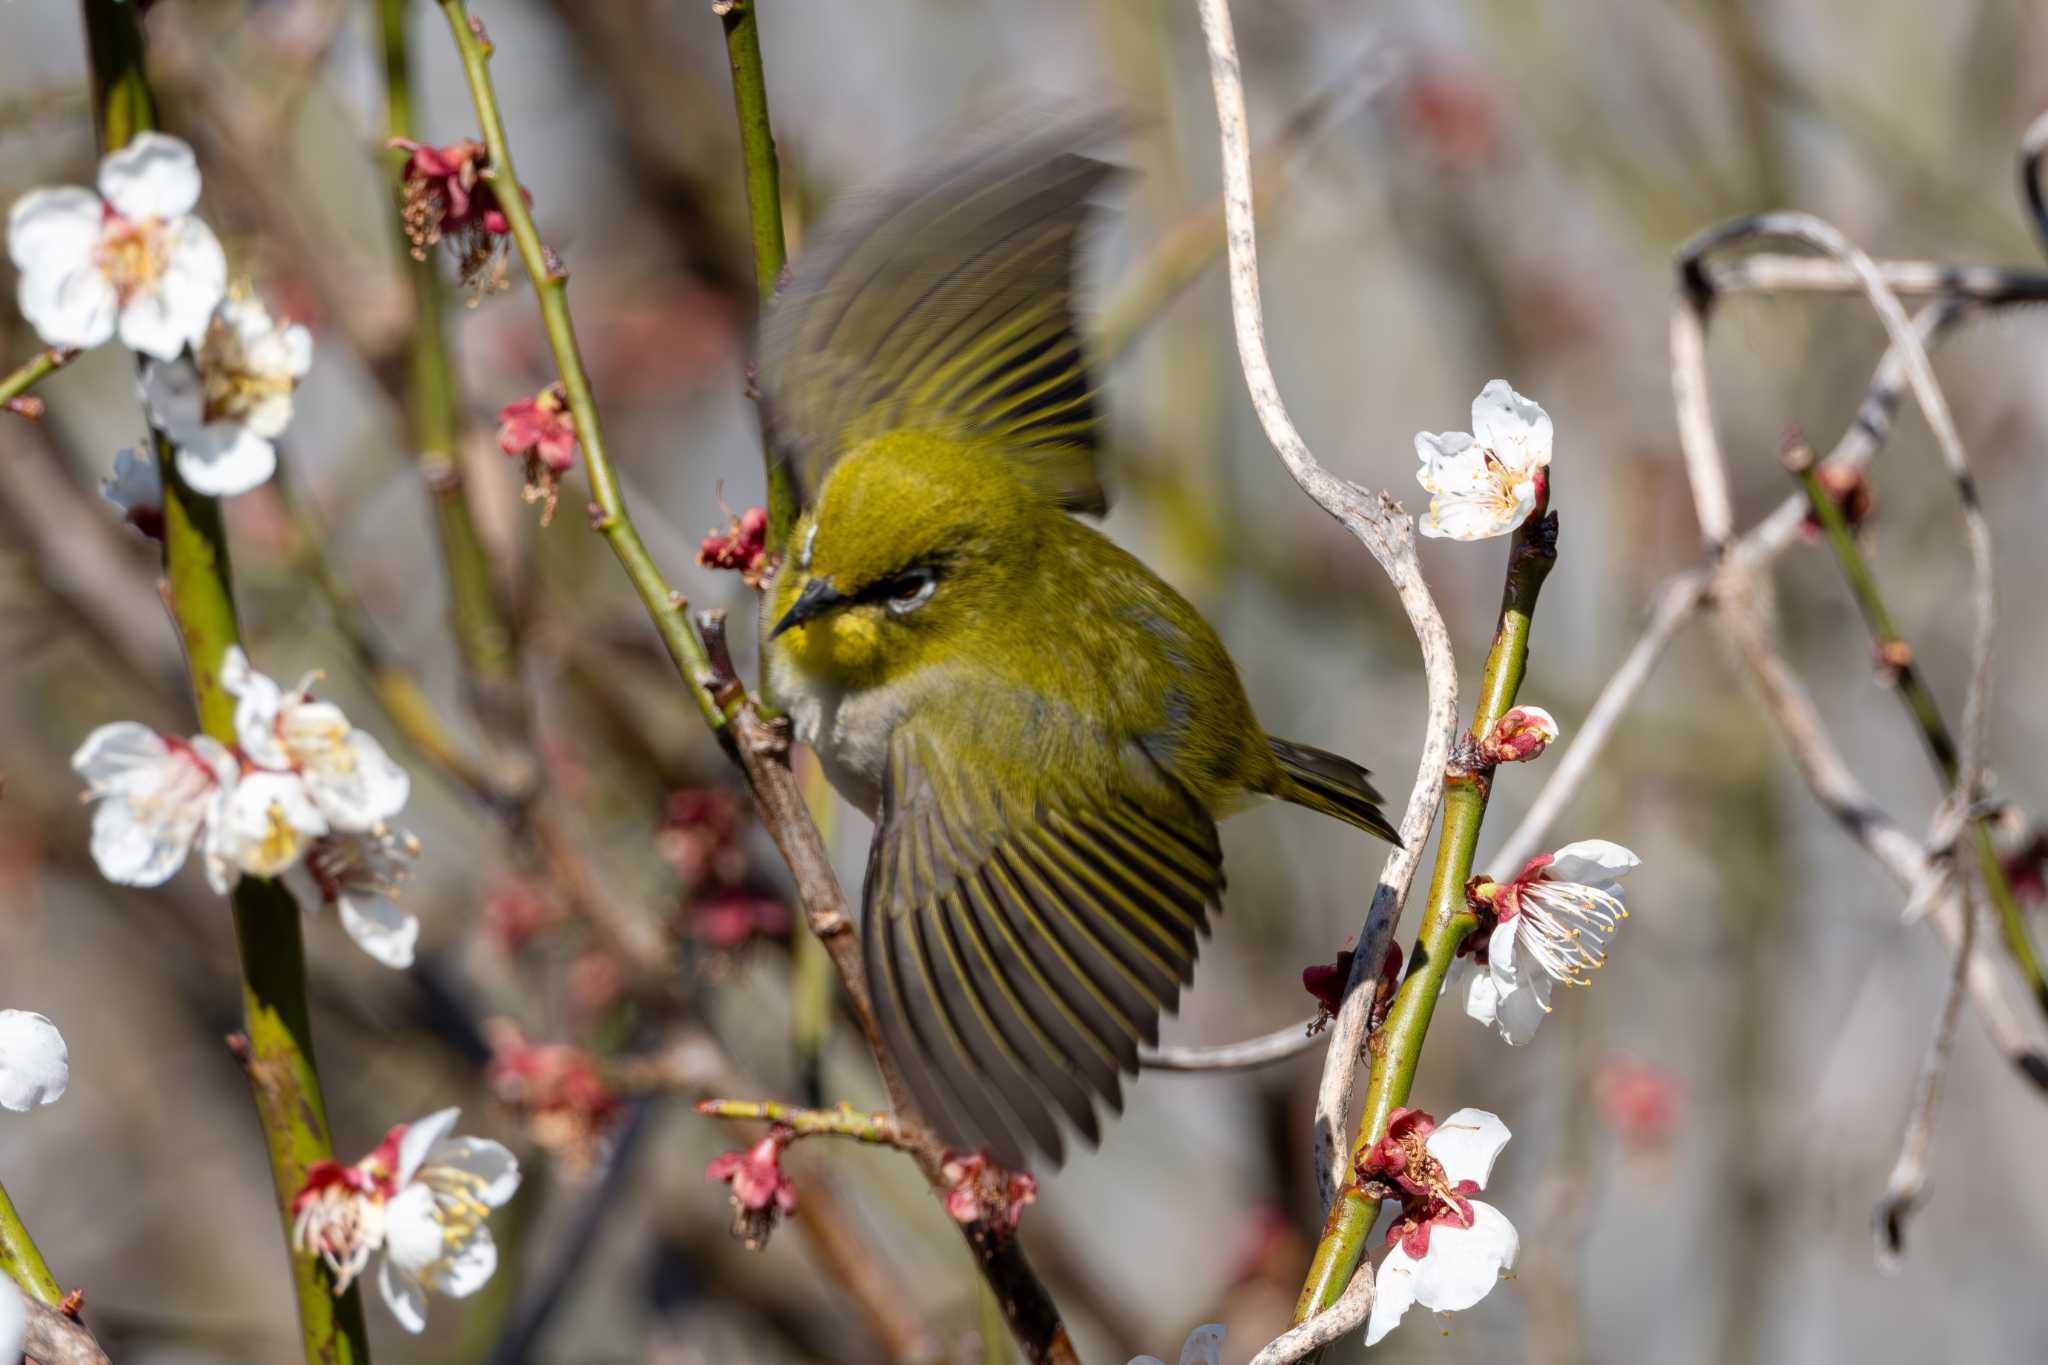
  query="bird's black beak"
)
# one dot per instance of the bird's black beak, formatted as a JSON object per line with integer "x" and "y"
{"x": 818, "y": 597}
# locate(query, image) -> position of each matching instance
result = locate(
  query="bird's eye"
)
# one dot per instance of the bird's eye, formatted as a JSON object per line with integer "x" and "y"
{"x": 907, "y": 592}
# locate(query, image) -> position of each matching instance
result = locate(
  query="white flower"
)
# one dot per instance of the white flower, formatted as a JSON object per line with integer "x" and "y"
{"x": 1204, "y": 1347}
{"x": 359, "y": 875}
{"x": 225, "y": 406}
{"x": 155, "y": 793}
{"x": 137, "y": 488}
{"x": 35, "y": 1066}
{"x": 267, "y": 823}
{"x": 1484, "y": 484}
{"x": 130, "y": 258}
{"x": 1555, "y": 919}
{"x": 1448, "y": 1249}
{"x": 434, "y": 1233}
{"x": 421, "y": 1198}
{"x": 347, "y": 775}
{"x": 13, "y": 1320}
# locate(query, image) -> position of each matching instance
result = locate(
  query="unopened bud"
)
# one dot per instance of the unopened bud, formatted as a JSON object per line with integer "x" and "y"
{"x": 1522, "y": 734}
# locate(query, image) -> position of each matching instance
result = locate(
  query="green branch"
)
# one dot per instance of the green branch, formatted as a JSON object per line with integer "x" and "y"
{"x": 279, "y": 1055}
{"x": 845, "y": 1121}
{"x": 1446, "y": 919}
{"x": 34, "y": 372}
{"x": 22, "y": 1260}
{"x": 764, "y": 215}
{"x": 1895, "y": 660}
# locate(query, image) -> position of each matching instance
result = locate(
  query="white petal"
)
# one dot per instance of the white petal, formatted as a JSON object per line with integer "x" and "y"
{"x": 420, "y": 1138}
{"x": 1592, "y": 862}
{"x": 54, "y": 231}
{"x": 35, "y": 1066}
{"x": 467, "y": 1266}
{"x": 1467, "y": 1143}
{"x": 1443, "y": 451}
{"x": 366, "y": 790}
{"x": 154, "y": 176}
{"x": 13, "y": 1320}
{"x": 1464, "y": 1264}
{"x": 1515, "y": 428}
{"x": 1520, "y": 992}
{"x": 413, "y": 1236}
{"x": 224, "y": 459}
{"x": 1478, "y": 516}
{"x": 137, "y": 483}
{"x": 380, "y": 927}
{"x": 1393, "y": 1294}
{"x": 175, "y": 397}
{"x": 1482, "y": 999}
{"x": 195, "y": 278}
{"x": 134, "y": 848}
{"x": 268, "y": 821}
{"x": 113, "y": 753}
{"x": 488, "y": 1161}
{"x": 70, "y": 307}
{"x": 258, "y": 699}
{"x": 297, "y": 350}
{"x": 1205, "y": 1345}
{"x": 405, "y": 1296}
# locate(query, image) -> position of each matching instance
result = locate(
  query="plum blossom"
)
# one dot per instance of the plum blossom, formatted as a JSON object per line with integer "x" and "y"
{"x": 761, "y": 1192}
{"x": 448, "y": 197}
{"x": 35, "y": 1066}
{"x": 1552, "y": 923}
{"x": 422, "y": 1198}
{"x": 540, "y": 430}
{"x": 742, "y": 546}
{"x": 558, "y": 1090}
{"x": 1486, "y": 483}
{"x": 360, "y": 876}
{"x": 1204, "y": 1347}
{"x": 130, "y": 259}
{"x": 978, "y": 1188}
{"x": 267, "y": 823}
{"x": 156, "y": 796}
{"x": 137, "y": 488}
{"x": 1447, "y": 1249}
{"x": 348, "y": 778}
{"x": 1522, "y": 734}
{"x": 225, "y": 405}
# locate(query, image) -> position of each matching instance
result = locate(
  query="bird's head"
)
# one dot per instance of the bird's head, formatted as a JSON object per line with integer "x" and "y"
{"x": 912, "y": 540}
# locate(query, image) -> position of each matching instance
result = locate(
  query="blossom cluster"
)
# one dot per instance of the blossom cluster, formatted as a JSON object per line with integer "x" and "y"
{"x": 300, "y": 788}
{"x": 131, "y": 259}
{"x": 423, "y": 1199}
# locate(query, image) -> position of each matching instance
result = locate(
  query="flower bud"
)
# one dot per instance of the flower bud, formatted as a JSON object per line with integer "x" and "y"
{"x": 1520, "y": 735}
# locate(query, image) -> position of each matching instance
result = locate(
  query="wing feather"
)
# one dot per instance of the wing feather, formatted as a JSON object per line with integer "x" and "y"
{"x": 1021, "y": 952}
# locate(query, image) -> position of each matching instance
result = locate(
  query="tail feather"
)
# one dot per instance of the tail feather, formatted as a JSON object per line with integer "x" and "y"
{"x": 1331, "y": 784}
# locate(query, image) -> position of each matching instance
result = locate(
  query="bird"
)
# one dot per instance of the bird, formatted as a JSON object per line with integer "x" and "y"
{"x": 1044, "y": 732}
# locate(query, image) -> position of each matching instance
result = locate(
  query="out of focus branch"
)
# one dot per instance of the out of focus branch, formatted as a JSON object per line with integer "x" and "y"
{"x": 22, "y": 1259}
{"x": 1740, "y": 593}
{"x": 37, "y": 368}
{"x": 759, "y": 748}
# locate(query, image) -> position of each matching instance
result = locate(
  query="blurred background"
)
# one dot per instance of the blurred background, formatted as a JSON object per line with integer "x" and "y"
{"x": 1460, "y": 190}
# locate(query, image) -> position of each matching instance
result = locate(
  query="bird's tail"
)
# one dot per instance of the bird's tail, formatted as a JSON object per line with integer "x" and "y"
{"x": 1335, "y": 786}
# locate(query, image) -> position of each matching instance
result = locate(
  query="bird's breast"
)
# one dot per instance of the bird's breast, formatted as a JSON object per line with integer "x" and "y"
{"x": 848, "y": 729}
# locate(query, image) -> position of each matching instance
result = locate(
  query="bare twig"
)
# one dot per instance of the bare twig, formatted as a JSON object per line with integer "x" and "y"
{"x": 1385, "y": 530}
{"x": 55, "y": 1338}
{"x": 1264, "y": 1050}
{"x": 1340, "y": 1319}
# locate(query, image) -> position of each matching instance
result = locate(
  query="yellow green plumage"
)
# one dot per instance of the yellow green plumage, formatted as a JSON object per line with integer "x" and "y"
{"x": 1045, "y": 731}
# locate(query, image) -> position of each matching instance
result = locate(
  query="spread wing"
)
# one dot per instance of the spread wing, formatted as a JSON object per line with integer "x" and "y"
{"x": 945, "y": 303}
{"x": 1019, "y": 952}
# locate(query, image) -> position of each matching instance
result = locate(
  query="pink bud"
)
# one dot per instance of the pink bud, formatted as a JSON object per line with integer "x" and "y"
{"x": 1522, "y": 734}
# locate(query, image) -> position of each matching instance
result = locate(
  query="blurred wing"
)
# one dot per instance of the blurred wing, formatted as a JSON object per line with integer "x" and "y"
{"x": 944, "y": 304}
{"x": 1017, "y": 954}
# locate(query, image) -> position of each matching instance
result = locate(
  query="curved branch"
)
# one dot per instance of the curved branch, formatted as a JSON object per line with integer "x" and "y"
{"x": 1264, "y": 1050}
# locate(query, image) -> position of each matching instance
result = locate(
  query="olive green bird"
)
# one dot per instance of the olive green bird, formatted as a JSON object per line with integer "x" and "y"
{"x": 1044, "y": 731}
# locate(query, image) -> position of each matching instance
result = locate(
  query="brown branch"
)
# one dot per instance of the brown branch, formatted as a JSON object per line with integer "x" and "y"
{"x": 56, "y": 1338}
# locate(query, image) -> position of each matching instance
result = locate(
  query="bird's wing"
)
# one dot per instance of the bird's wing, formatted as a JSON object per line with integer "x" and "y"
{"x": 1019, "y": 951}
{"x": 944, "y": 303}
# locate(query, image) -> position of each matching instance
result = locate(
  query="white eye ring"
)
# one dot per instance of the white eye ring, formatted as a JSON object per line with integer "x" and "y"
{"x": 903, "y": 603}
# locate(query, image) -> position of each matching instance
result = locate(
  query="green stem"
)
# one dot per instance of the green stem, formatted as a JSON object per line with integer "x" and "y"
{"x": 22, "y": 1260}
{"x": 1896, "y": 658}
{"x": 764, "y": 214}
{"x": 33, "y": 372}
{"x": 279, "y": 1057}
{"x": 484, "y": 634}
{"x": 811, "y": 978}
{"x": 551, "y": 288}
{"x": 845, "y": 1121}
{"x": 1446, "y": 919}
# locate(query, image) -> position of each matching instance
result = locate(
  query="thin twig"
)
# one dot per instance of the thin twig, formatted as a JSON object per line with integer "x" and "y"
{"x": 32, "y": 372}
{"x": 845, "y": 1121}
{"x": 1264, "y": 1050}
{"x": 1340, "y": 1319}
{"x": 1378, "y": 522}
{"x": 22, "y": 1260}
{"x": 55, "y": 1338}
